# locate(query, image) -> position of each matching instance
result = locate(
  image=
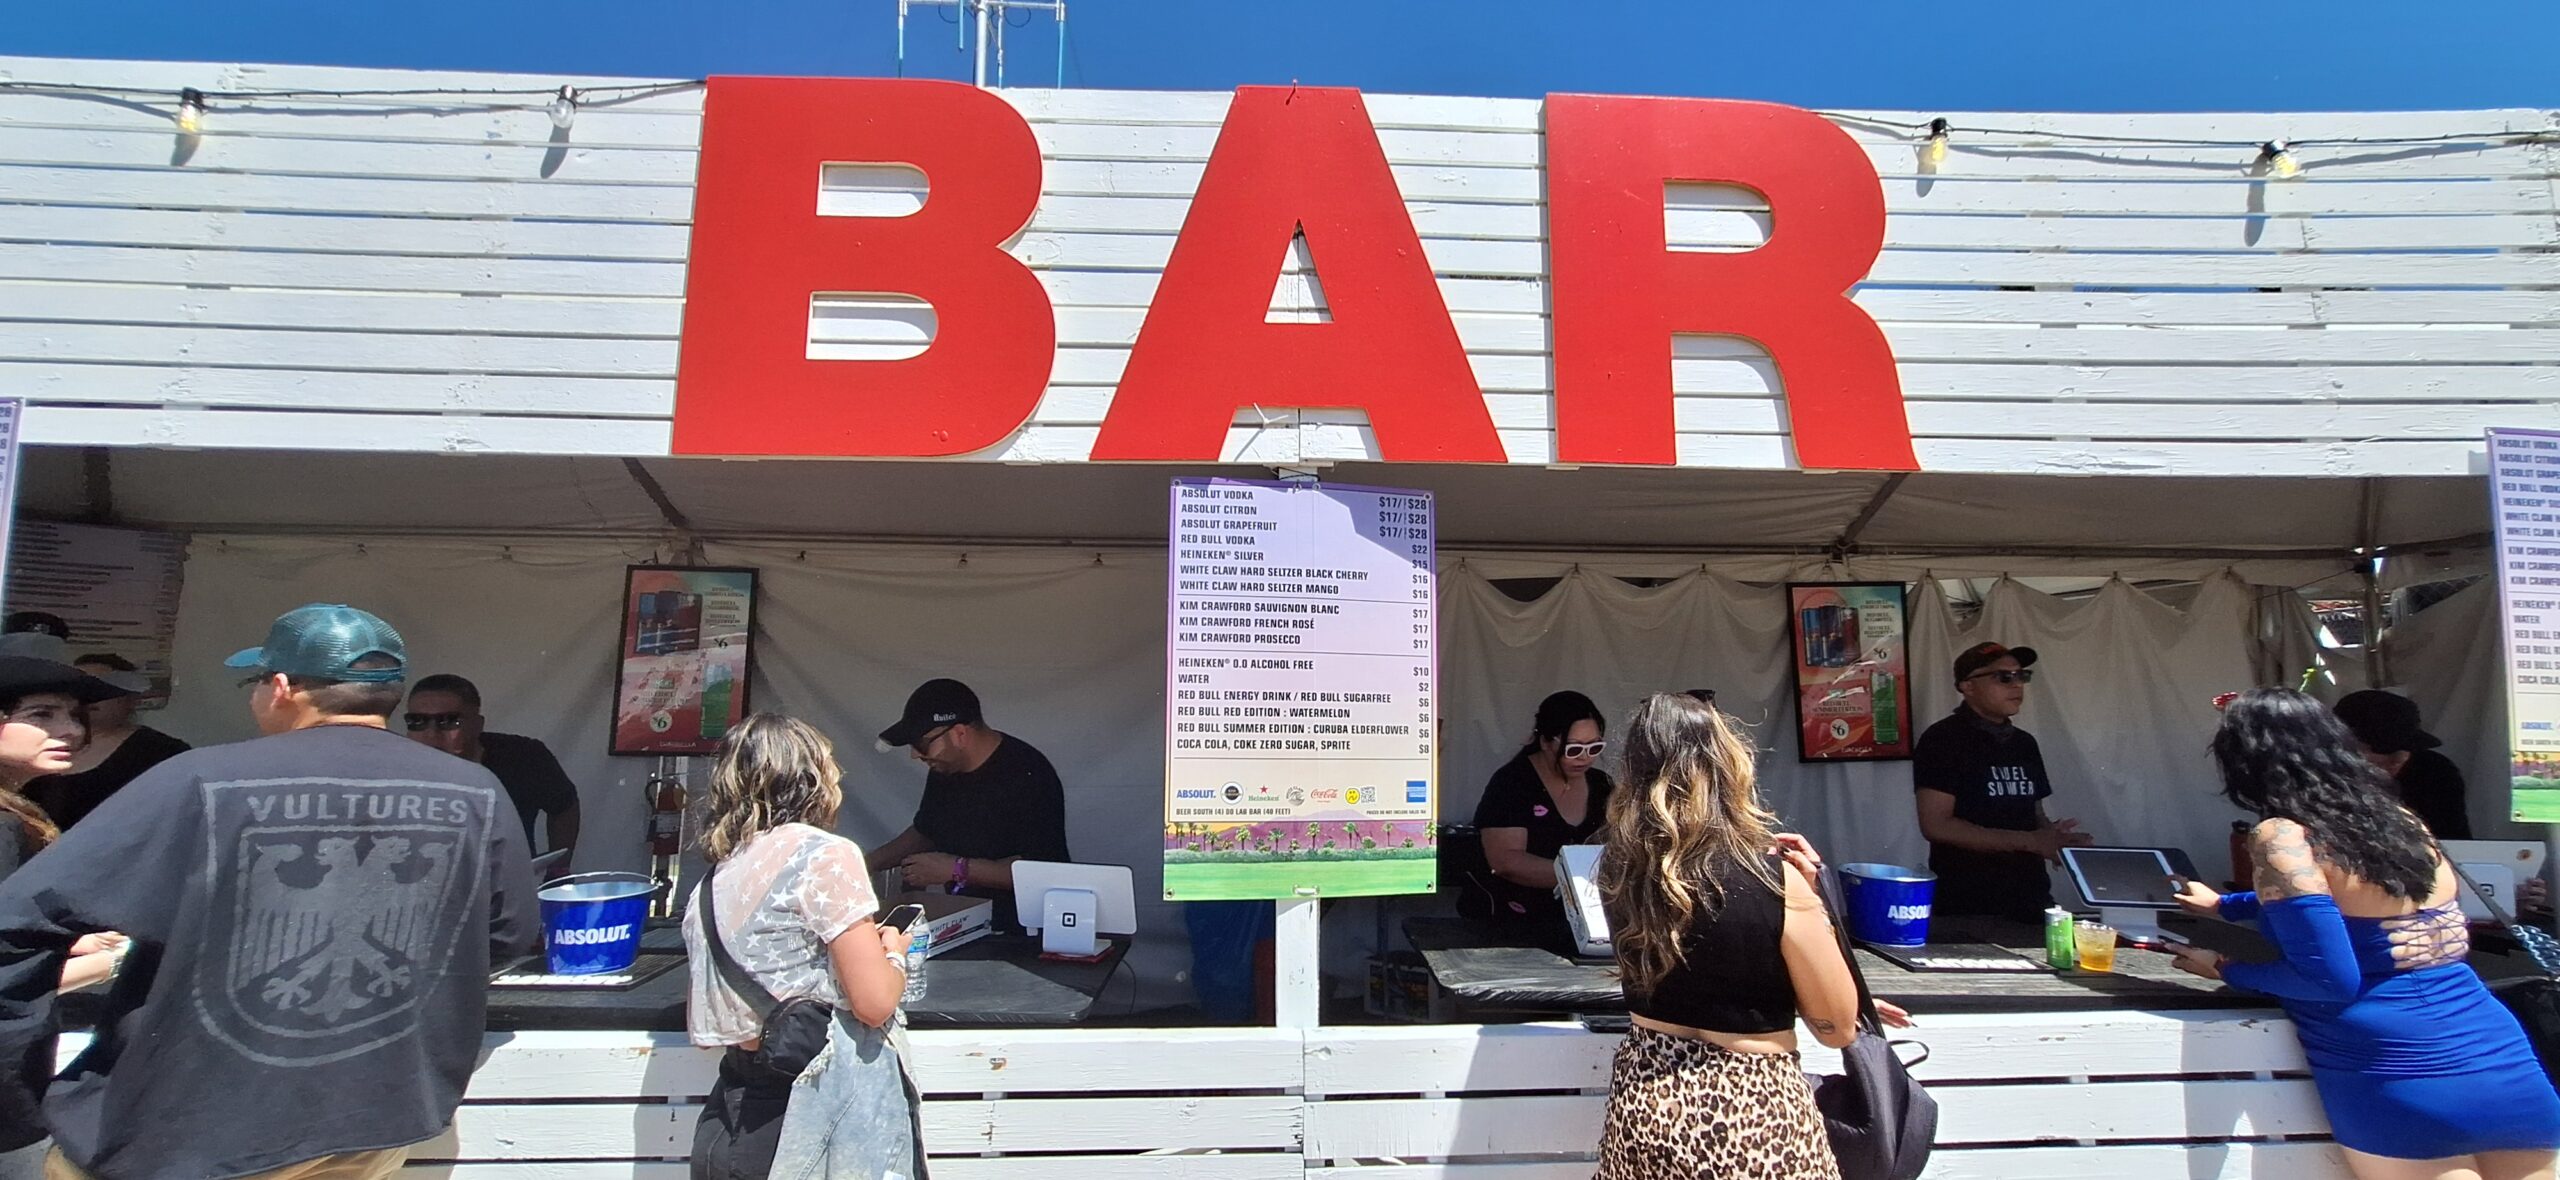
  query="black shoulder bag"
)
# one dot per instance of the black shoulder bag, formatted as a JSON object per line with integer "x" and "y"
{"x": 794, "y": 1030}
{"x": 2534, "y": 999}
{"x": 1881, "y": 1122}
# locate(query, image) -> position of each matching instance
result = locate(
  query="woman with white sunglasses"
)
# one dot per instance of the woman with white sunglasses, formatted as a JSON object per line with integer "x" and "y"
{"x": 1550, "y": 795}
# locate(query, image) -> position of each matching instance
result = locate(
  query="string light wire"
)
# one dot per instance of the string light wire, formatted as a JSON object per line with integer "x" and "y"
{"x": 1979, "y": 136}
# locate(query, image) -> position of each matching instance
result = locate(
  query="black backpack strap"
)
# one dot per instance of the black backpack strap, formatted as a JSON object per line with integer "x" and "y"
{"x": 1836, "y": 911}
{"x": 705, "y": 902}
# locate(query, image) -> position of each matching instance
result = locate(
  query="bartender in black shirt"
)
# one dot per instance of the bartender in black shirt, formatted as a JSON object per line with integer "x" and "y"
{"x": 990, "y": 799}
{"x": 2385, "y": 725}
{"x": 1549, "y": 795}
{"x": 1981, "y": 784}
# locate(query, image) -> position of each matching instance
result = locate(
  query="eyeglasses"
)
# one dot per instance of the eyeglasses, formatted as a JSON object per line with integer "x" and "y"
{"x": 2006, "y": 676}
{"x": 442, "y": 722}
{"x": 925, "y": 740}
{"x": 253, "y": 680}
{"x": 1582, "y": 749}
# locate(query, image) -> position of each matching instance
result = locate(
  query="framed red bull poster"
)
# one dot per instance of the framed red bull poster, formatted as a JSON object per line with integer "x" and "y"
{"x": 688, "y": 642}
{"x": 1853, "y": 671}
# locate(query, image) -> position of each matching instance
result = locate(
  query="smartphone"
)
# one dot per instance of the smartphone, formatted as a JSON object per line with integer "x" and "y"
{"x": 903, "y": 916}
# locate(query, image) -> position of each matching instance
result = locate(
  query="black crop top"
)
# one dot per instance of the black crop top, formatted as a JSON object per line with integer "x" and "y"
{"x": 1733, "y": 979}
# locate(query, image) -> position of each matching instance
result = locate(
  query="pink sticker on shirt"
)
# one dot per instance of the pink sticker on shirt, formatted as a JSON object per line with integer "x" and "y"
{"x": 1538, "y": 809}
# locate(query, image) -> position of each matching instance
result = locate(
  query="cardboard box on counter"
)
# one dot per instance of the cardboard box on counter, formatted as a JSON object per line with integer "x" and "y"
{"x": 954, "y": 919}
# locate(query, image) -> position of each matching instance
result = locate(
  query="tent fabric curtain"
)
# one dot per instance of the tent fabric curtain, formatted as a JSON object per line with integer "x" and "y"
{"x": 1066, "y": 647}
{"x": 2451, "y": 659}
{"x": 2122, "y": 705}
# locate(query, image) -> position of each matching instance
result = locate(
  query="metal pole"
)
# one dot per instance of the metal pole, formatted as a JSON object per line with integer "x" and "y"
{"x": 2377, "y": 671}
{"x": 902, "y": 38}
{"x": 1062, "y": 44}
{"x": 1000, "y": 28}
{"x": 982, "y": 42}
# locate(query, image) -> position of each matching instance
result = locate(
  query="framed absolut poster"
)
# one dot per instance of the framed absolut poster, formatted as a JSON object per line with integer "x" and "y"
{"x": 688, "y": 643}
{"x": 1853, "y": 671}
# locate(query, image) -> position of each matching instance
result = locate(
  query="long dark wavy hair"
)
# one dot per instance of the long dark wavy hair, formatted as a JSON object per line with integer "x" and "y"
{"x": 2284, "y": 755}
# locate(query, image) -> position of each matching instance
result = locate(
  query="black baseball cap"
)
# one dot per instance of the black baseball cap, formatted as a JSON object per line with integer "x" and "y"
{"x": 25, "y": 676}
{"x": 934, "y": 704}
{"x": 2386, "y": 722}
{"x": 1983, "y": 655}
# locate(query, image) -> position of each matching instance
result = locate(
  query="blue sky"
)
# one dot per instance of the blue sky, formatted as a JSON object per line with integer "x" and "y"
{"x": 2008, "y": 55}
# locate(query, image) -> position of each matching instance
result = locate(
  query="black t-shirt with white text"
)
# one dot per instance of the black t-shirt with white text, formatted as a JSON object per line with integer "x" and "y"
{"x": 1012, "y": 805}
{"x": 1996, "y": 773}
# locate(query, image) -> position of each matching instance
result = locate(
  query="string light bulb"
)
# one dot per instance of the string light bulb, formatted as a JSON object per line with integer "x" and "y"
{"x": 2276, "y": 158}
{"x": 564, "y": 107}
{"x": 1934, "y": 151}
{"x": 190, "y": 111}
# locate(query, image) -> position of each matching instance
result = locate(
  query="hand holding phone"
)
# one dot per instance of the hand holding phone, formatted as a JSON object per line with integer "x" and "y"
{"x": 903, "y": 916}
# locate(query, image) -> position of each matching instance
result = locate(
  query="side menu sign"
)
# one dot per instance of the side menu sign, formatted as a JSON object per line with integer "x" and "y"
{"x": 1301, "y": 661}
{"x": 2524, "y": 495}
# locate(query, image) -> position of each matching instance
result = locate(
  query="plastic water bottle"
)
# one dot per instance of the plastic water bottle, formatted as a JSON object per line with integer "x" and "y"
{"x": 916, "y": 952}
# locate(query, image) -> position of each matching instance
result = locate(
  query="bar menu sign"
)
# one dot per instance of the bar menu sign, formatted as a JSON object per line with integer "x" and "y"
{"x": 2524, "y": 493}
{"x": 1301, "y": 645}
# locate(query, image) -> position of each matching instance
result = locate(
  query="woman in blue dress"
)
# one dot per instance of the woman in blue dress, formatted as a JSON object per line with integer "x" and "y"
{"x": 2424, "y": 1074}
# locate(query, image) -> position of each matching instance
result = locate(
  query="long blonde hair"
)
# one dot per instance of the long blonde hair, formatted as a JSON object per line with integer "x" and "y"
{"x": 772, "y": 770}
{"x": 1687, "y": 806}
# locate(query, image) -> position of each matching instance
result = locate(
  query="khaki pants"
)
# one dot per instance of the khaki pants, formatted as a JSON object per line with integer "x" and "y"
{"x": 354, "y": 1165}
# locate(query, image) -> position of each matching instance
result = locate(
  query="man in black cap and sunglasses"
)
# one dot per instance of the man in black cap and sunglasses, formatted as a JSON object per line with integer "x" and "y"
{"x": 2387, "y": 733}
{"x": 1981, "y": 784}
{"x": 990, "y": 799}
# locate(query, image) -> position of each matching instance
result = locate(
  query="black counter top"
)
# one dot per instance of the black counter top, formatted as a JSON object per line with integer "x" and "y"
{"x": 1490, "y": 972}
{"x": 998, "y": 980}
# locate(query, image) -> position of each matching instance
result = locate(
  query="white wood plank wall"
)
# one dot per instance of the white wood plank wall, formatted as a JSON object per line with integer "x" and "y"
{"x": 376, "y": 274}
{"x": 2096, "y": 1095}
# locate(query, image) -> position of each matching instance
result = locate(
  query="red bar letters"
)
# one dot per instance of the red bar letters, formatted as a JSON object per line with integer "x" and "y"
{"x": 1298, "y": 159}
{"x": 1619, "y": 293}
{"x": 744, "y": 383}
{"x": 1287, "y": 161}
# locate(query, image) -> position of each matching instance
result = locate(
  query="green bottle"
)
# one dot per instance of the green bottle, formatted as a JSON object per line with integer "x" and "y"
{"x": 1888, "y": 707}
{"x": 717, "y": 686}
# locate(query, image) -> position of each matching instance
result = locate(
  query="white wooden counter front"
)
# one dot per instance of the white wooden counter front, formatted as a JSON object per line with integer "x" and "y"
{"x": 2093, "y": 1095}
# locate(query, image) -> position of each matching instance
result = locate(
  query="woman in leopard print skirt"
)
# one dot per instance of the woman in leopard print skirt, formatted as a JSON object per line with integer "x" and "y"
{"x": 1722, "y": 943}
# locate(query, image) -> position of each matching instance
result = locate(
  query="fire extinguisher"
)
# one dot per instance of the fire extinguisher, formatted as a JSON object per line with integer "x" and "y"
{"x": 666, "y": 798}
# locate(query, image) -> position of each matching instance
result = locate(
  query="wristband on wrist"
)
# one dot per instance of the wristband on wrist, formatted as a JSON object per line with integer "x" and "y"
{"x": 959, "y": 873}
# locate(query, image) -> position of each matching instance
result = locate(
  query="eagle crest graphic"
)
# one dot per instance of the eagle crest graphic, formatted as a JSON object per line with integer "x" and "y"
{"x": 334, "y": 928}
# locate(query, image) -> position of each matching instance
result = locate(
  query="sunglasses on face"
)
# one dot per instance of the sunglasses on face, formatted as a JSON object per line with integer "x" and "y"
{"x": 441, "y": 722}
{"x": 2021, "y": 676}
{"x": 1582, "y": 749}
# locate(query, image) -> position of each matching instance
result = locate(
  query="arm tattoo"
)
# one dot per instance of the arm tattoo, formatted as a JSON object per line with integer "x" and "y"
{"x": 1823, "y": 1027}
{"x": 2284, "y": 864}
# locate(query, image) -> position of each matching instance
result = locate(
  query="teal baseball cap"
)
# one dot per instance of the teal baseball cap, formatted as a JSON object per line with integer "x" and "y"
{"x": 324, "y": 642}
